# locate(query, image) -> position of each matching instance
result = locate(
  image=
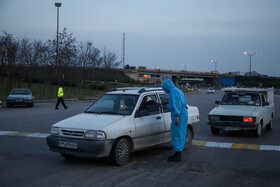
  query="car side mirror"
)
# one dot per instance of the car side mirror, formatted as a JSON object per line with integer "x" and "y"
{"x": 217, "y": 102}
{"x": 140, "y": 113}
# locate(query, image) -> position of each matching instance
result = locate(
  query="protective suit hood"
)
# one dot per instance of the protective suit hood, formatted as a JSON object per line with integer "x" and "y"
{"x": 167, "y": 85}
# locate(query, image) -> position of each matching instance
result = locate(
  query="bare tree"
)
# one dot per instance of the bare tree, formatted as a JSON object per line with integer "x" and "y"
{"x": 109, "y": 59}
{"x": 35, "y": 58}
{"x": 8, "y": 52}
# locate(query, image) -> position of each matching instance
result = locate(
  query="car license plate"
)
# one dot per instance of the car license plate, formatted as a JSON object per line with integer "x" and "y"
{"x": 19, "y": 100}
{"x": 232, "y": 128}
{"x": 70, "y": 145}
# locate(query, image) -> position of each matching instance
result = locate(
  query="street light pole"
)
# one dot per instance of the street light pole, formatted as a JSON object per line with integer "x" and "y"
{"x": 184, "y": 66}
{"x": 89, "y": 53}
{"x": 246, "y": 53}
{"x": 213, "y": 61}
{"x": 57, "y": 4}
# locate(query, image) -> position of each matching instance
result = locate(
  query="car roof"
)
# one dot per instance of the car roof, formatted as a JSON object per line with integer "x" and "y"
{"x": 134, "y": 90}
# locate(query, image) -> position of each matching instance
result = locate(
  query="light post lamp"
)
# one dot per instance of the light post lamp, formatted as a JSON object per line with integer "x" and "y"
{"x": 57, "y": 55}
{"x": 216, "y": 62}
{"x": 89, "y": 52}
{"x": 246, "y": 53}
{"x": 185, "y": 66}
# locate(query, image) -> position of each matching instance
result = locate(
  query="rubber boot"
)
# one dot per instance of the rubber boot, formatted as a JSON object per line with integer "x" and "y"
{"x": 177, "y": 157}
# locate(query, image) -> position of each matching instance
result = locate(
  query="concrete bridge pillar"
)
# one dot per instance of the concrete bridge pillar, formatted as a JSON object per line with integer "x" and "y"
{"x": 175, "y": 80}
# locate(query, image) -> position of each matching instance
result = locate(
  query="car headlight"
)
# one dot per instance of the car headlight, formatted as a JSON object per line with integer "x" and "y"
{"x": 54, "y": 131}
{"x": 98, "y": 135}
{"x": 214, "y": 117}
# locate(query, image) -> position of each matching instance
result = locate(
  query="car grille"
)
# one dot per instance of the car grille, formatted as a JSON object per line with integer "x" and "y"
{"x": 72, "y": 133}
{"x": 231, "y": 118}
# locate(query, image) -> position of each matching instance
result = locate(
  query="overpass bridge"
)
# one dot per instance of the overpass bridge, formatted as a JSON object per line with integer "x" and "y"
{"x": 154, "y": 76}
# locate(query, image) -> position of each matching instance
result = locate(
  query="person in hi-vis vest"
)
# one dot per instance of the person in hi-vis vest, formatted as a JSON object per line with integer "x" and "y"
{"x": 60, "y": 98}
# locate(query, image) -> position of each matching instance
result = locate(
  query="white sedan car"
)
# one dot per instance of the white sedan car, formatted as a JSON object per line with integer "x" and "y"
{"x": 118, "y": 123}
{"x": 249, "y": 109}
{"x": 210, "y": 91}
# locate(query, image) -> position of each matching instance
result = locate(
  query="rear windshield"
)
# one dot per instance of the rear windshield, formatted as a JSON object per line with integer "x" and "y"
{"x": 115, "y": 104}
{"x": 20, "y": 92}
{"x": 241, "y": 98}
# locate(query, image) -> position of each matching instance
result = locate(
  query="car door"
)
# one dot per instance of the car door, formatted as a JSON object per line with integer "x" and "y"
{"x": 265, "y": 111}
{"x": 149, "y": 123}
{"x": 164, "y": 98}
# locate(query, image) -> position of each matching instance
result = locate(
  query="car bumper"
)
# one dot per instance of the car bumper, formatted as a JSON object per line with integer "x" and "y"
{"x": 232, "y": 125}
{"x": 85, "y": 148}
{"x": 19, "y": 102}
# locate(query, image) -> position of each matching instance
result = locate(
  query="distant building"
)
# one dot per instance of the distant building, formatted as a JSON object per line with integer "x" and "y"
{"x": 236, "y": 73}
{"x": 253, "y": 73}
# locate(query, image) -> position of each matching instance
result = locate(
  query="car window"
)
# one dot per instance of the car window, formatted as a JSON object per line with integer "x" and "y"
{"x": 241, "y": 98}
{"x": 164, "y": 101}
{"x": 149, "y": 103}
{"x": 118, "y": 104}
{"x": 20, "y": 92}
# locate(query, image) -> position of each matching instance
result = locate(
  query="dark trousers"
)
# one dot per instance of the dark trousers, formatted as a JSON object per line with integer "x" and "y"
{"x": 60, "y": 99}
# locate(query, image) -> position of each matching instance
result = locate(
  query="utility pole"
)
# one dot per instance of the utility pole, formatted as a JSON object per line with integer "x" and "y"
{"x": 123, "y": 52}
{"x": 57, "y": 4}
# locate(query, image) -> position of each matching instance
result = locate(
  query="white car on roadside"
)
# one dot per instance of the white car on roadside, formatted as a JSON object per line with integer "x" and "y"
{"x": 120, "y": 122}
{"x": 210, "y": 90}
{"x": 250, "y": 109}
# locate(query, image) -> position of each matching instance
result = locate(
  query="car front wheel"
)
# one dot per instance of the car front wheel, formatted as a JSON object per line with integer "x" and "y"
{"x": 120, "y": 152}
{"x": 258, "y": 131}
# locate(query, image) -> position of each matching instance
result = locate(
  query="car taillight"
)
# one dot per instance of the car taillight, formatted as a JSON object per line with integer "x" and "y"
{"x": 213, "y": 117}
{"x": 249, "y": 119}
{"x": 199, "y": 115}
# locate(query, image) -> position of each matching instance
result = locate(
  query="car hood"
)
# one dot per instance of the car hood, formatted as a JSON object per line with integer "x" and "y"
{"x": 86, "y": 121}
{"x": 19, "y": 96}
{"x": 234, "y": 110}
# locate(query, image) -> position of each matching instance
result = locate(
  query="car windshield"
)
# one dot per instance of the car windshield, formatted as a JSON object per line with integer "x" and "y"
{"x": 20, "y": 92}
{"x": 241, "y": 98}
{"x": 116, "y": 104}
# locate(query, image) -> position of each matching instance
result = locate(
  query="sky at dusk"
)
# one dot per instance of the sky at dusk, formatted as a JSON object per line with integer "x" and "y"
{"x": 162, "y": 34}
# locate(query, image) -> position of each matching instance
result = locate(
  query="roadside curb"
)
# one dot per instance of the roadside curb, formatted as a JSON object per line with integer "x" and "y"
{"x": 236, "y": 145}
{"x": 195, "y": 142}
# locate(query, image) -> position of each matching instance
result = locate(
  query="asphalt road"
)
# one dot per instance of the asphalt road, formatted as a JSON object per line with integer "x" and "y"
{"x": 26, "y": 161}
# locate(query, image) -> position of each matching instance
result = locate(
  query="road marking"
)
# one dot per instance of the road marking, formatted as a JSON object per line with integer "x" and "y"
{"x": 38, "y": 135}
{"x": 26, "y": 134}
{"x": 245, "y": 146}
{"x": 2, "y": 133}
{"x": 195, "y": 142}
{"x": 199, "y": 143}
{"x": 270, "y": 148}
{"x": 218, "y": 144}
